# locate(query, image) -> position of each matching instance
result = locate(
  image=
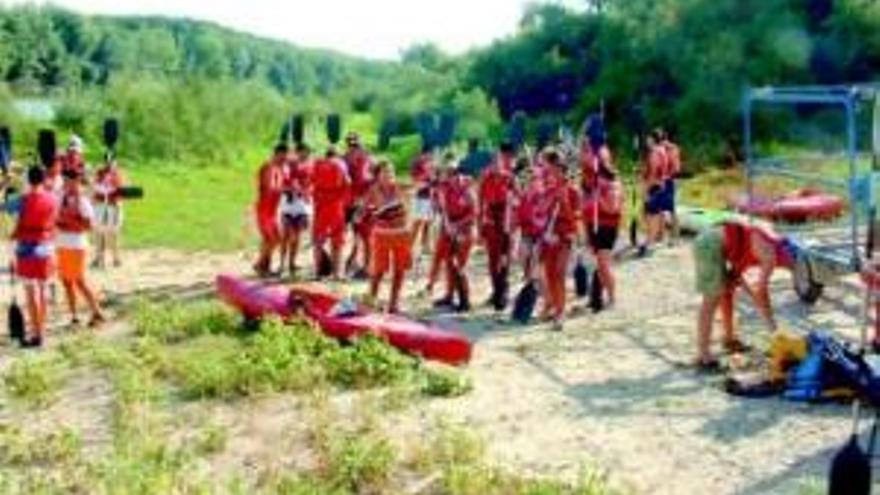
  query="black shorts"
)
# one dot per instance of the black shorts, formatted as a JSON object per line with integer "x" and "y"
{"x": 603, "y": 238}
{"x": 295, "y": 222}
{"x": 655, "y": 202}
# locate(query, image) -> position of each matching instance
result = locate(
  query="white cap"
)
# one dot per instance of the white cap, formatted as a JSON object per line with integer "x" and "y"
{"x": 76, "y": 143}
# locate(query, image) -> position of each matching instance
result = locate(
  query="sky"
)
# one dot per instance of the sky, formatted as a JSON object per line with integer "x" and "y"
{"x": 368, "y": 28}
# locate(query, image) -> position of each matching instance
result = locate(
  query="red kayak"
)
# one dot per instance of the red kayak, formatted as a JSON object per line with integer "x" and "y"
{"x": 801, "y": 206}
{"x": 318, "y": 304}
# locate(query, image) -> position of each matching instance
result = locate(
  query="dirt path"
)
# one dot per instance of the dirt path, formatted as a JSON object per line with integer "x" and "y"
{"x": 609, "y": 392}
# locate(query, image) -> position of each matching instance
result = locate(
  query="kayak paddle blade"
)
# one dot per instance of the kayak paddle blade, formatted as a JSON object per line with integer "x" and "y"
{"x": 524, "y": 304}
{"x": 596, "y": 290}
{"x": 581, "y": 279}
{"x": 15, "y": 321}
{"x": 633, "y": 233}
{"x": 850, "y": 471}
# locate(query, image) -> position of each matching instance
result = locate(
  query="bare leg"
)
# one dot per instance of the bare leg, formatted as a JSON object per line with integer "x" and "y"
{"x": 705, "y": 321}
{"x": 396, "y": 286}
{"x": 606, "y": 274}
{"x": 113, "y": 239}
{"x": 70, "y": 293}
{"x": 89, "y": 295}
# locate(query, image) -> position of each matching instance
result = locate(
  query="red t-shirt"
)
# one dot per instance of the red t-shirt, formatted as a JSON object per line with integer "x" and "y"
{"x": 457, "y": 201}
{"x": 359, "y": 165}
{"x": 330, "y": 188}
{"x": 36, "y": 221}
{"x": 297, "y": 178}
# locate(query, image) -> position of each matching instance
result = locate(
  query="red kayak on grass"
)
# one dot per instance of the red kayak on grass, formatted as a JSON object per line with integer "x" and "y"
{"x": 321, "y": 306}
{"x": 801, "y": 206}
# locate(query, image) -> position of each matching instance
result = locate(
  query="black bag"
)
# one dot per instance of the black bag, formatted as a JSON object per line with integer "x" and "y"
{"x": 524, "y": 304}
{"x": 581, "y": 279}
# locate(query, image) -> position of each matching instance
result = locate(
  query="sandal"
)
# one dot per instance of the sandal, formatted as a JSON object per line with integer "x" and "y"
{"x": 707, "y": 366}
{"x": 736, "y": 346}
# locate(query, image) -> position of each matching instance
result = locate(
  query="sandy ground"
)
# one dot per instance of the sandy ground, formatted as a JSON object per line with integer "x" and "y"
{"x": 609, "y": 392}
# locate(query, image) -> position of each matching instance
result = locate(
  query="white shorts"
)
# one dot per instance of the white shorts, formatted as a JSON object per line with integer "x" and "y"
{"x": 108, "y": 217}
{"x": 423, "y": 209}
{"x": 296, "y": 208}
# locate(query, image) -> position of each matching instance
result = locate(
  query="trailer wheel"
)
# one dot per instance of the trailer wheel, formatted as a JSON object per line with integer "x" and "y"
{"x": 808, "y": 290}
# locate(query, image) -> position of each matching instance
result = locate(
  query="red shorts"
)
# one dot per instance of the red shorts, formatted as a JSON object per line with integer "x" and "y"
{"x": 462, "y": 251}
{"x": 34, "y": 269}
{"x": 267, "y": 222}
{"x": 329, "y": 224}
{"x": 392, "y": 250}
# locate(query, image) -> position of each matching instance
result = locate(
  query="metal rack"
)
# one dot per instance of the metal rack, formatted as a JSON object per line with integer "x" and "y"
{"x": 828, "y": 250}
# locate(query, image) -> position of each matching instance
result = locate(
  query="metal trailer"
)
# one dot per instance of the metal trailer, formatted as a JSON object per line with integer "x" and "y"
{"x": 825, "y": 251}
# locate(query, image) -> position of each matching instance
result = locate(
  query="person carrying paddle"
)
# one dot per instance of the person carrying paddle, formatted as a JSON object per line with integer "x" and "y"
{"x": 73, "y": 160}
{"x": 330, "y": 189}
{"x": 75, "y": 217}
{"x": 723, "y": 254}
{"x": 106, "y": 194}
{"x": 602, "y": 215}
{"x": 423, "y": 179}
{"x": 390, "y": 237}
{"x": 360, "y": 170}
{"x": 296, "y": 205}
{"x": 34, "y": 237}
{"x": 270, "y": 183}
{"x": 458, "y": 213}
{"x": 496, "y": 196}
{"x": 653, "y": 185}
{"x": 558, "y": 236}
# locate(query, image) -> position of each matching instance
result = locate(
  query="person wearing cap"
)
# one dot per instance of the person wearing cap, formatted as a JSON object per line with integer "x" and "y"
{"x": 34, "y": 237}
{"x": 390, "y": 238}
{"x": 558, "y": 236}
{"x": 73, "y": 160}
{"x": 496, "y": 196}
{"x": 330, "y": 189}
{"x": 75, "y": 217}
{"x": 107, "y": 199}
{"x": 270, "y": 183}
{"x": 360, "y": 165}
{"x": 296, "y": 205}
{"x": 458, "y": 210}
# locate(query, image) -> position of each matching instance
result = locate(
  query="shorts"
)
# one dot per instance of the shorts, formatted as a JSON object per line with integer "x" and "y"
{"x": 710, "y": 266}
{"x": 297, "y": 221}
{"x": 423, "y": 209}
{"x": 392, "y": 250}
{"x": 108, "y": 217}
{"x": 34, "y": 262}
{"x": 328, "y": 231}
{"x": 655, "y": 201}
{"x": 668, "y": 202}
{"x": 461, "y": 249}
{"x": 603, "y": 238}
{"x": 71, "y": 264}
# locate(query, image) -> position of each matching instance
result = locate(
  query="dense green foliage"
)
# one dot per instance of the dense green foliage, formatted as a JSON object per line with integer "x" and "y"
{"x": 680, "y": 63}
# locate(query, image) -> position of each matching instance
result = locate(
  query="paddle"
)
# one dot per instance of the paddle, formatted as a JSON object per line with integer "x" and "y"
{"x": 325, "y": 264}
{"x": 14, "y": 317}
{"x": 851, "y": 468}
{"x": 527, "y": 297}
{"x": 581, "y": 277}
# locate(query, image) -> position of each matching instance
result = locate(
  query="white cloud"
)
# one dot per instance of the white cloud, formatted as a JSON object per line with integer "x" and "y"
{"x": 372, "y": 28}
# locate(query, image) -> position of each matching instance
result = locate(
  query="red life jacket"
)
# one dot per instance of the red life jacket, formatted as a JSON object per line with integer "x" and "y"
{"x": 297, "y": 177}
{"x": 457, "y": 200}
{"x": 655, "y": 168}
{"x": 330, "y": 181}
{"x": 69, "y": 217}
{"x": 609, "y": 203}
{"x": 737, "y": 246}
{"x": 112, "y": 179}
{"x": 359, "y": 164}
{"x": 532, "y": 211}
{"x": 497, "y": 185}
{"x": 270, "y": 182}
{"x": 673, "y": 159}
{"x": 36, "y": 222}
{"x": 73, "y": 161}
{"x": 590, "y": 161}
{"x": 422, "y": 173}
{"x": 385, "y": 207}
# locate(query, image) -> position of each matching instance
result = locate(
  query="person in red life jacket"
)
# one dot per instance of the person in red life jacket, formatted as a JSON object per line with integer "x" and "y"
{"x": 270, "y": 185}
{"x": 75, "y": 217}
{"x": 458, "y": 210}
{"x": 531, "y": 219}
{"x": 593, "y": 152}
{"x": 296, "y": 205}
{"x": 330, "y": 189}
{"x": 723, "y": 255}
{"x": 602, "y": 215}
{"x": 73, "y": 159}
{"x": 558, "y": 237}
{"x": 653, "y": 184}
{"x": 496, "y": 195}
{"x": 106, "y": 188}
{"x": 673, "y": 170}
{"x": 423, "y": 179}
{"x": 390, "y": 237}
{"x": 360, "y": 166}
{"x": 34, "y": 235}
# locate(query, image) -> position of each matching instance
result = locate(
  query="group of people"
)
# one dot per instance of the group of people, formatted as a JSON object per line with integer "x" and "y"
{"x": 532, "y": 211}
{"x": 60, "y": 206}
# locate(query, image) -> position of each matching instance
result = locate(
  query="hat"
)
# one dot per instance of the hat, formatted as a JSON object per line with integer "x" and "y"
{"x": 75, "y": 144}
{"x": 352, "y": 138}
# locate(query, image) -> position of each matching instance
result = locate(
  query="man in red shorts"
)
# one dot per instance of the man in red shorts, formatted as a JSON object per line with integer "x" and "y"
{"x": 34, "y": 236}
{"x": 331, "y": 187}
{"x": 270, "y": 184}
{"x": 390, "y": 236}
{"x": 497, "y": 191}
